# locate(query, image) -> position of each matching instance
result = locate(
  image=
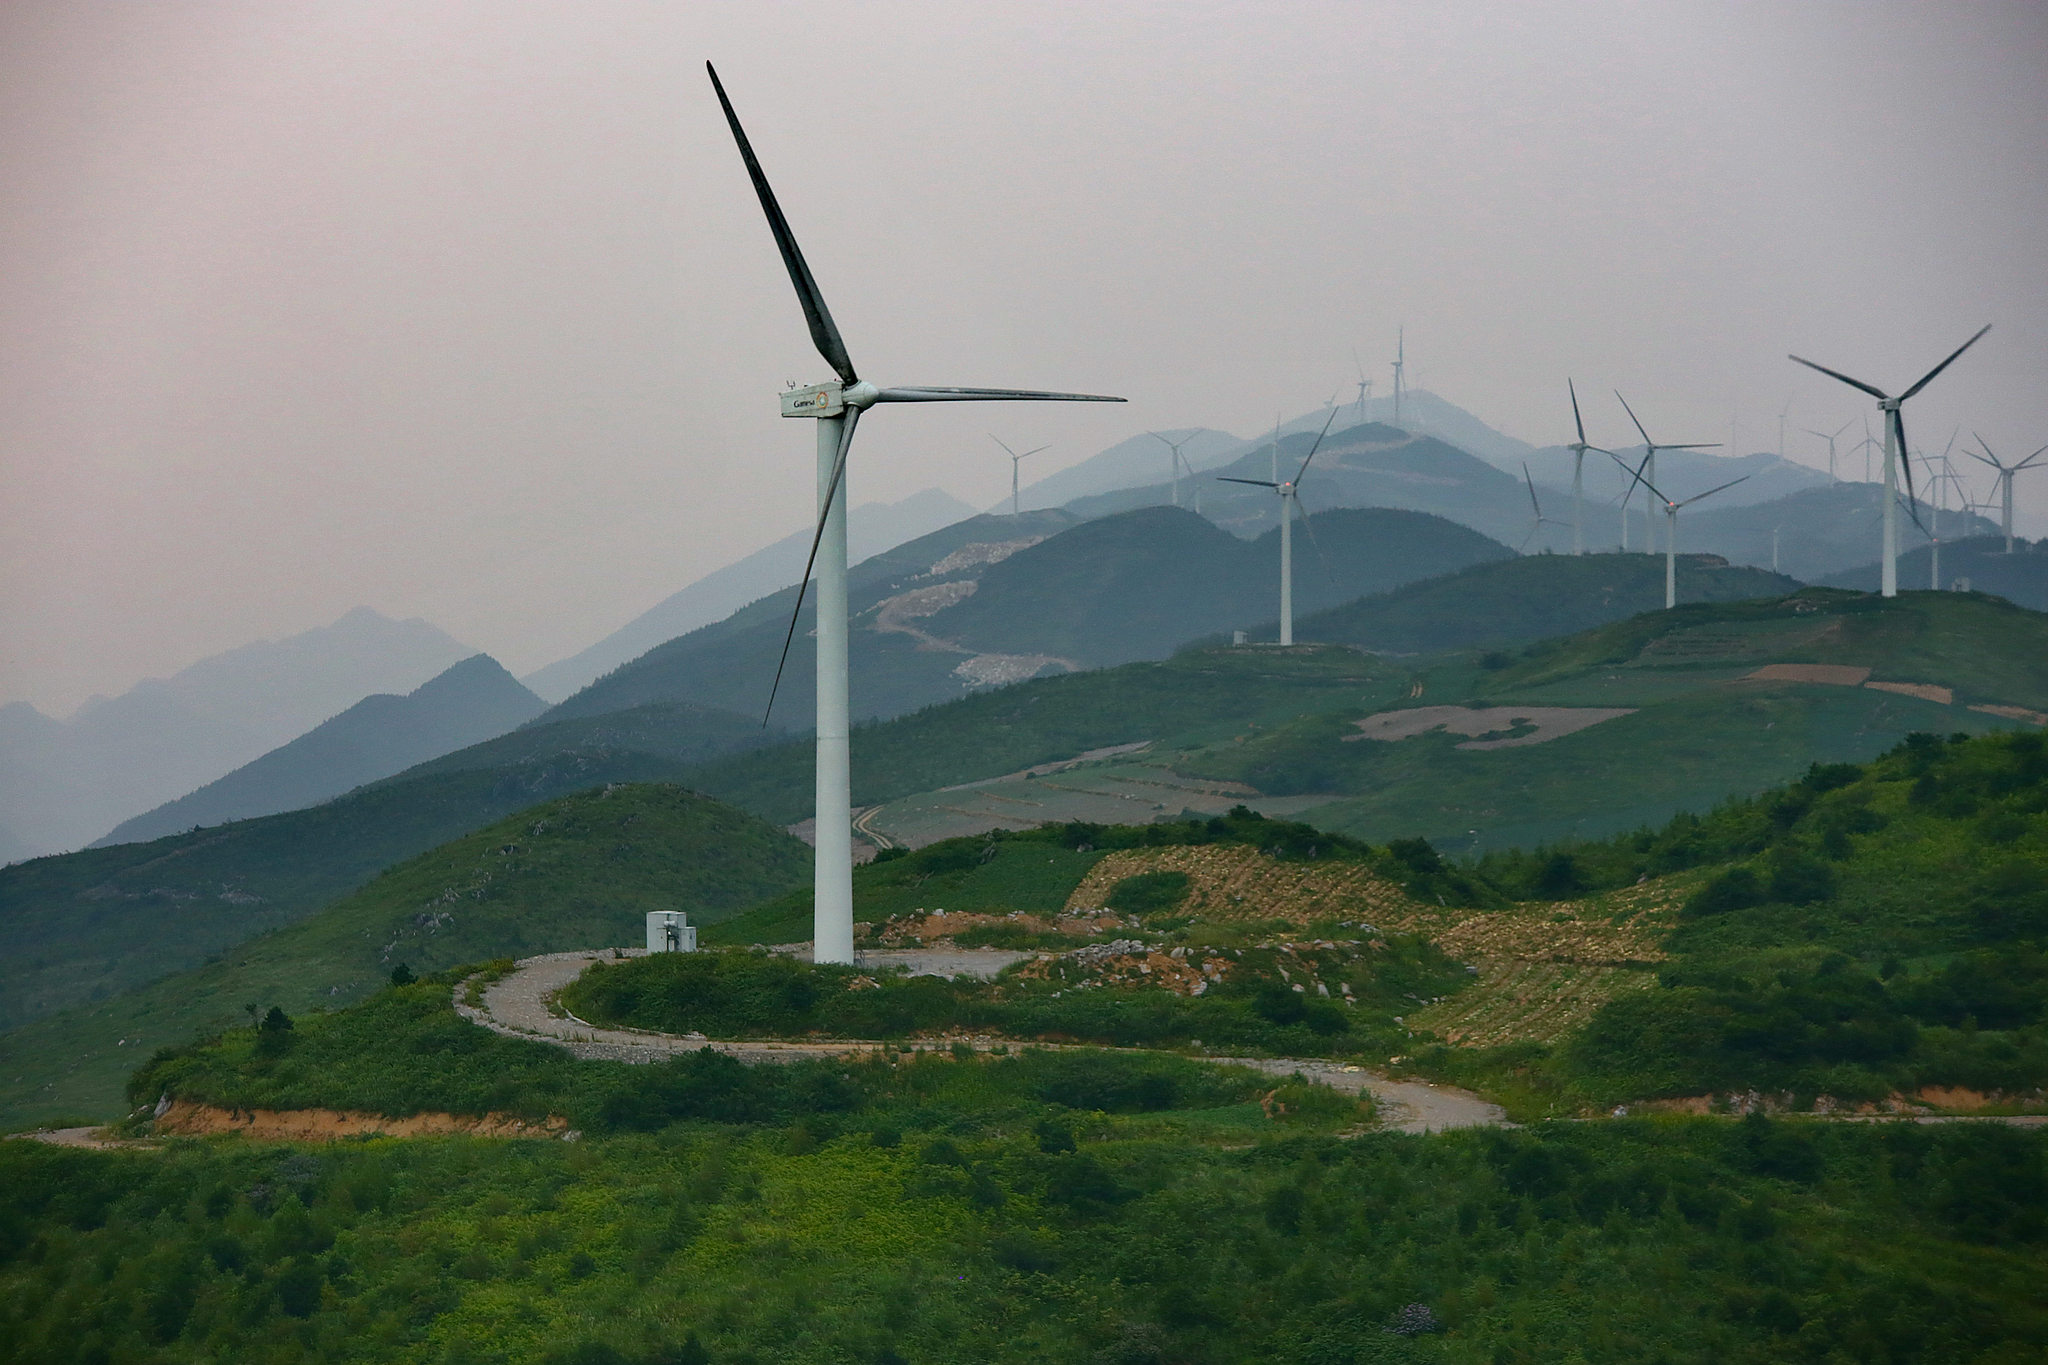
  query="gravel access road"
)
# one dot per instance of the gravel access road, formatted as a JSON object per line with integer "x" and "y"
{"x": 517, "y": 1006}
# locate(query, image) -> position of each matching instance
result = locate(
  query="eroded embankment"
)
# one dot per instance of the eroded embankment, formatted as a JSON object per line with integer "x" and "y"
{"x": 185, "y": 1118}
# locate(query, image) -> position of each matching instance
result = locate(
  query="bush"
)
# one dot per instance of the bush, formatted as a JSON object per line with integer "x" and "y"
{"x": 1736, "y": 889}
{"x": 1149, "y": 892}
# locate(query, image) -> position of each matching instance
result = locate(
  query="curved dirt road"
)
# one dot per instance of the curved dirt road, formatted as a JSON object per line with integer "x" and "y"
{"x": 517, "y": 1006}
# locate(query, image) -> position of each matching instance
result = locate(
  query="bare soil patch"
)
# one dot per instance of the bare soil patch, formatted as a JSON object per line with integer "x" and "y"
{"x": 1924, "y": 691}
{"x": 2014, "y": 713}
{"x": 1491, "y": 727}
{"x": 185, "y": 1118}
{"x": 1833, "y": 675}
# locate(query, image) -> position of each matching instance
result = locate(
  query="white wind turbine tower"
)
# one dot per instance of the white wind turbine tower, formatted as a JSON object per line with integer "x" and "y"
{"x": 1289, "y": 496}
{"x": 2003, "y": 480}
{"x": 1671, "y": 525}
{"x": 1175, "y": 460}
{"x": 1536, "y": 508}
{"x": 837, "y": 406}
{"x": 1830, "y": 437}
{"x": 1895, "y": 452}
{"x": 1400, "y": 362}
{"x": 1015, "y": 460}
{"x": 1647, "y": 474}
{"x": 1578, "y": 449}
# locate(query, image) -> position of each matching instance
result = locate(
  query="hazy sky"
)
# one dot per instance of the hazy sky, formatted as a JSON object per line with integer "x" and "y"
{"x": 466, "y": 311}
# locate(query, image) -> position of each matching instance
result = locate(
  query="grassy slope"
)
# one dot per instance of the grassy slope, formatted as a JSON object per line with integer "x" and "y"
{"x": 1048, "y": 719}
{"x": 1528, "y": 598}
{"x": 80, "y": 927}
{"x": 585, "y": 869}
{"x": 1862, "y": 931}
{"x": 1699, "y": 736}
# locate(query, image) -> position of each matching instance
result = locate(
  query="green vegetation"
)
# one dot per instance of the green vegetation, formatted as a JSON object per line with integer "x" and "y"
{"x": 1867, "y": 931}
{"x": 577, "y": 872}
{"x": 747, "y": 995}
{"x": 1077, "y": 1237}
{"x": 82, "y": 927}
{"x": 405, "y": 1051}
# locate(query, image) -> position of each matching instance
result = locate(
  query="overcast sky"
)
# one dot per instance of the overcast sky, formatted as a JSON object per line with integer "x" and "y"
{"x": 466, "y": 311}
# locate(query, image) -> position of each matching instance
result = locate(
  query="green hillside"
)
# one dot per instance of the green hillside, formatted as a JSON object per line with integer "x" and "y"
{"x": 570, "y": 873}
{"x": 1861, "y": 933}
{"x": 1138, "y": 585}
{"x": 1528, "y": 598}
{"x": 1864, "y": 935}
{"x": 1702, "y": 729}
{"x": 999, "y": 599}
{"x": 81, "y": 927}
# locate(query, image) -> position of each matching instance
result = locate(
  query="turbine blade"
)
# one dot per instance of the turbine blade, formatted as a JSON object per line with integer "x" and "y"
{"x": 1519, "y": 549}
{"x": 1577, "y": 421}
{"x": 1697, "y": 445}
{"x": 2031, "y": 458}
{"x": 1256, "y": 483}
{"x": 824, "y": 332}
{"x": 1710, "y": 492}
{"x": 1924, "y": 379}
{"x": 1308, "y": 524}
{"x": 1534, "y": 505}
{"x": 1878, "y": 394}
{"x": 1632, "y": 417}
{"x": 1004, "y": 444}
{"x": 928, "y": 393}
{"x": 1637, "y": 477}
{"x": 803, "y": 584}
{"x": 1906, "y": 467}
{"x": 1314, "y": 448}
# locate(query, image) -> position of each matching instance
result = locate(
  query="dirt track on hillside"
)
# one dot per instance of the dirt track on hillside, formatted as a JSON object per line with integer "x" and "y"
{"x": 517, "y": 1007}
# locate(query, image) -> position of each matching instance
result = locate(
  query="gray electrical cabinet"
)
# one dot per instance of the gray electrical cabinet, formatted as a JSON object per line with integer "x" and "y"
{"x": 670, "y": 931}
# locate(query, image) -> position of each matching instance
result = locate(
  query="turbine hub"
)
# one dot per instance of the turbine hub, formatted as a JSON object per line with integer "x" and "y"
{"x": 862, "y": 395}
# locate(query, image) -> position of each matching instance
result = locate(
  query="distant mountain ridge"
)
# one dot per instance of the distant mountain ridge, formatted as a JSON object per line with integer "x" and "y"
{"x": 871, "y": 529}
{"x": 380, "y": 735}
{"x": 63, "y": 783}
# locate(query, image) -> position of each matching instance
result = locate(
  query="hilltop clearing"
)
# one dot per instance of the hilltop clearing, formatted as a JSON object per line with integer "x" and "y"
{"x": 564, "y": 874}
{"x": 1979, "y": 563}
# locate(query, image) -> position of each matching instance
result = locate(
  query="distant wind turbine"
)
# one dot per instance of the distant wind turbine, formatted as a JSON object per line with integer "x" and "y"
{"x": 1016, "y": 509}
{"x": 1894, "y": 452}
{"x": 1536, "y": 508}
{"x": 2003, "y": 485}
{"x": 1289, "y": 496}
{"x": 1830, "y": 437}
{"x": 1400, "y": 362}
{"x": 1174, "y": 460}
{"x": 837, "y": 406}
{"x": 1364, "y": 384}
{"x": 1578, "y": 449}
{"x": 1647, "y": 474}
{"x": 1671, "y": 525}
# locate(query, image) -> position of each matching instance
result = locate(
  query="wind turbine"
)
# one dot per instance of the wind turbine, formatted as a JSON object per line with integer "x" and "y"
{"x": 1894, "y": 451}
{"x": 1647, "y": 473}
{"x": 1015, "y": 460}
{"x": 1541, "y": 521}
{"x": 1174, "y": 460}
{"x": 837, "y": 406}
{"x": 1290, "y": 495}
{"x": 1400, "y": 360}
{"x": 1671, "y": 525}
{"x": 2003, "y": 479}
{"x": 1578, "y": 449}
{"x": 1829, "y": 437}
{"x": 1364, "y": 384}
